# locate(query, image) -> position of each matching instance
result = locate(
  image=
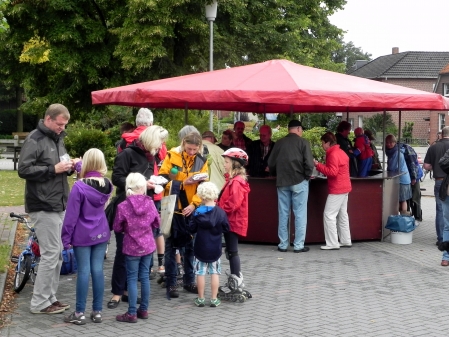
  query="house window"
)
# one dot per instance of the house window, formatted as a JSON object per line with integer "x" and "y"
{"x": 360, "y": 122}
{"x": 351, "y": 121}
{"x": 446, "y": 89}
{"x": 441, "y": 121}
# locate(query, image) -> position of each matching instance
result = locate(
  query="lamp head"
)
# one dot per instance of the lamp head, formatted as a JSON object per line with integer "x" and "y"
{"x": 211, "y": 11}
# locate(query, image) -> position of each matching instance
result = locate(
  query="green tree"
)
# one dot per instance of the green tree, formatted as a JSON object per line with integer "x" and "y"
{"x": 407, "y": 131}
{"x": 376, "y": 125}
{"x": 70, "y": 48}
{"x": 349, "y": 54}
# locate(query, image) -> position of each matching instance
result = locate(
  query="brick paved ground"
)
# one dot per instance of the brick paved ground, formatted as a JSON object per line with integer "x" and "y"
{"x": 373, "y": 289}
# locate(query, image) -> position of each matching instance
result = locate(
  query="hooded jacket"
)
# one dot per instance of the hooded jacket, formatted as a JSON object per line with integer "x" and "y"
{"x": 337, "y": 170}
{"x": 136, "y": 217}
{"x": 209, "y": 223}
{"x": 44, "y": 189}
{"x": 234, "y": 201}
{"x": 193, "y": 164}
{"x": 85, "y": 222}
{"x": 132, "y": 159}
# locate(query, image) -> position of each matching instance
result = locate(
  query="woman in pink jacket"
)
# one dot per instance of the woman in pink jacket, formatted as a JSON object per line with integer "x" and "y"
{"x": 336, "y": 210}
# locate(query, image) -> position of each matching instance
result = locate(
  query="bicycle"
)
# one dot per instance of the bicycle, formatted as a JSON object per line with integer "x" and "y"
{"x": 29, "y": 258}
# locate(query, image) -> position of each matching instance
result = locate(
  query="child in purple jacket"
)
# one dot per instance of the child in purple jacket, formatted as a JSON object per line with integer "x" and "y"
{"x": 86, "y": 229}
{"x": 136, "y": 217}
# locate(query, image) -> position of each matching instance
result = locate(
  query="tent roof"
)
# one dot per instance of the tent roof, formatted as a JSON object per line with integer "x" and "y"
{"x": 277, "y": 86}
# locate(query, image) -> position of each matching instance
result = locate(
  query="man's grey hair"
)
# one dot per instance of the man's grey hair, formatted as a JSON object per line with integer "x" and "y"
{"x": 186, "y": 130}
{"x": 144, "y": 117}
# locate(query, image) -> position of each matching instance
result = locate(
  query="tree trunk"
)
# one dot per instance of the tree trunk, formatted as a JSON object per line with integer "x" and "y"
{"x": 19, "y": 115}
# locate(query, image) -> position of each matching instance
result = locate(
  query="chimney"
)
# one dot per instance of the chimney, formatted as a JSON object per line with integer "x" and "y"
{"x": 395, "y": 50}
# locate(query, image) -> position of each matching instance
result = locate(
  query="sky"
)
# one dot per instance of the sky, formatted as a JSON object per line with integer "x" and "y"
{"x": 376, "y": 26}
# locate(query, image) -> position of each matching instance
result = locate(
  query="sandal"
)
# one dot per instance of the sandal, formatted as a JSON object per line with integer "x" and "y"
{"x": 112, "y": 304}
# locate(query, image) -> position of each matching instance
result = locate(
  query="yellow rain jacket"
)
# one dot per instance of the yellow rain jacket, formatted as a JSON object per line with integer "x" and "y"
{"x": 188, "y": 167}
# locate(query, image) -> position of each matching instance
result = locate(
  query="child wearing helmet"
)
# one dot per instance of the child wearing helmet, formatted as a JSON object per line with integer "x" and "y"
{"x": 233, "y": 200}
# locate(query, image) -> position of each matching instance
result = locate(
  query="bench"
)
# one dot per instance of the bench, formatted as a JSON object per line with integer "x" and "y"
{"x": 14, "y": 151}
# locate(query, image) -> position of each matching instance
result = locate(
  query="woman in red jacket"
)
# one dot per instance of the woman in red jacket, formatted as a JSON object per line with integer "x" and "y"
{"x": 336, "y": 210}
{"x": 233, "y": 199}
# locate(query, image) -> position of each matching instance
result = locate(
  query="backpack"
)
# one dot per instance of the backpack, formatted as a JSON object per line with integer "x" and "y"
{"x": 69, "y": 265}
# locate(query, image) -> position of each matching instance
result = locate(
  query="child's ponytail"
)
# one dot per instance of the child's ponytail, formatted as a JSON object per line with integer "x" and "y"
{"x": 136, "y": 183}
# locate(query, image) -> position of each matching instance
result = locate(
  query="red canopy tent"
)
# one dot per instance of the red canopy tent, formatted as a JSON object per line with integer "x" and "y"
{"x": 277, "y": 86}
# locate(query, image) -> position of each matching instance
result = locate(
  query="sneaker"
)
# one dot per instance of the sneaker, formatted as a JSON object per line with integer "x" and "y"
{"x": 199, "y": 302}
{"x": 61, "y": 305}
{"x": 161, "y": 270}
{"x": 79, "y": 319}
{"x": 215, "y": 302}
{"x": 127, "y": 317}
{"x": 51, "y": 309}
{"x": 330, "y": 247}
{"x": 345, "y": 245}
{"x": 142, "y": 314}
{"x": 191, "y": 288}
{"x": 95, "y": 316}
{"x": 152, "y": 274}
{"x": 173, "y": 292}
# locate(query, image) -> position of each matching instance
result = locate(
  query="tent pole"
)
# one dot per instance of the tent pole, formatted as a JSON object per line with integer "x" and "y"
{"x": 186, "y": 115}
{"x": 399, "y": 138}
{"x": 383, "y": 143}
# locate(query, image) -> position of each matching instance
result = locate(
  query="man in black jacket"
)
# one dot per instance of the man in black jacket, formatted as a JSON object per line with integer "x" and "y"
{"x": 433, "y": 156}
{"x": 45, "y": 164}
{"x": 258, "y": 152}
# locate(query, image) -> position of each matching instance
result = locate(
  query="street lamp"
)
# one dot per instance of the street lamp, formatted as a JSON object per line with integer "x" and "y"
{"x": 211, "y": 14}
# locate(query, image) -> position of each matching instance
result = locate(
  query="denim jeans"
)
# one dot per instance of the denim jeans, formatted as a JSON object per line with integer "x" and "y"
{"x": 445, "y": 207}
{"x": 138, "y": 268}
{"x": 90, "y": 262}
{"x": 439, "y": 220}
{"x": 294, "y": 196}
{"x": 171, "y": 269}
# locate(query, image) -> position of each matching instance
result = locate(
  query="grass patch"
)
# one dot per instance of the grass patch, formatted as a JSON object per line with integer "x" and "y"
{"x": 12, "y": 188}
{"x": 4, "y": 257}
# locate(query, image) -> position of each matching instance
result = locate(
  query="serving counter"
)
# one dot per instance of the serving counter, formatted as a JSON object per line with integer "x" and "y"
{"x": 370, "y": 202}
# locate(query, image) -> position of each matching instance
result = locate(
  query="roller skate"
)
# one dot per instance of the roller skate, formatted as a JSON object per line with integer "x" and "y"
{"x": 233, "y": 289}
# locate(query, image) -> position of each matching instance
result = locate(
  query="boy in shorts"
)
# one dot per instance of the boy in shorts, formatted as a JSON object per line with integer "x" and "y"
{"x": 209, "y": 222}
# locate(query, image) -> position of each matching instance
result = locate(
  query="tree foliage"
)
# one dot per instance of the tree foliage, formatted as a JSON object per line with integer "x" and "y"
{"x": 376, "y": 125}
{"x": 349, "y": 54}
{"x": 70, "y": 48}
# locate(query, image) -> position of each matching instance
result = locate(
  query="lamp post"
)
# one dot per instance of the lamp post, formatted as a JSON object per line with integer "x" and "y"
{"x": 211, "y": 14}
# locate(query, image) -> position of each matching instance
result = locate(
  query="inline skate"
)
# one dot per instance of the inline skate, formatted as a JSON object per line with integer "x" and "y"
{"x": 233, "y": 290}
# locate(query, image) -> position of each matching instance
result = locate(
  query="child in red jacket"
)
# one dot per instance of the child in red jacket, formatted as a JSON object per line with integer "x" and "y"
{"x": 233, "y": 200}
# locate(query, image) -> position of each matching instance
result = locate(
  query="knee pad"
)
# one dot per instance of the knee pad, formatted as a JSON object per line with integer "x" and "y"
{"x": 230, "y": 255}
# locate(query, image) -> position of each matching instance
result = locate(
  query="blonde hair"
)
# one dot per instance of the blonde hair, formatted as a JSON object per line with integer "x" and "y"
{"x": 136, "y": 183}
{"x": 153, "y": 137}
{"x": 207, "y": 191}
{"x": 93, "y": 160}
{"x": 237, "y": 169}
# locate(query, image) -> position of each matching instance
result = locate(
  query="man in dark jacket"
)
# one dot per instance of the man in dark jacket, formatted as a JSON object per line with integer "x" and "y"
{"x": 433, "y": 156}
{"x": 292, "y": 163}
{"x": 258, "y": 152}
{"x": 45, "y": 164}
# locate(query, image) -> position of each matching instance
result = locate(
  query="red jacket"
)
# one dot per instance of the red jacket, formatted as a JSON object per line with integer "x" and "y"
{"x": 234, "y": 201}
{"x": 337, "y": 170}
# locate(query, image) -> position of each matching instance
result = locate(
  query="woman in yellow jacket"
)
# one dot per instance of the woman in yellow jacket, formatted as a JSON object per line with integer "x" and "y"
{"x": 180, "y": 166}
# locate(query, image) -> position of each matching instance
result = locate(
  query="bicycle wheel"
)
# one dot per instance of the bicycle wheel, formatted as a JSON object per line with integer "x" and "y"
{"x": 22, "y": 273}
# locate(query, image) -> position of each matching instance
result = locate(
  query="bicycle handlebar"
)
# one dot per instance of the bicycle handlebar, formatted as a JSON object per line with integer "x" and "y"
{"x": 21, "y": 219}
